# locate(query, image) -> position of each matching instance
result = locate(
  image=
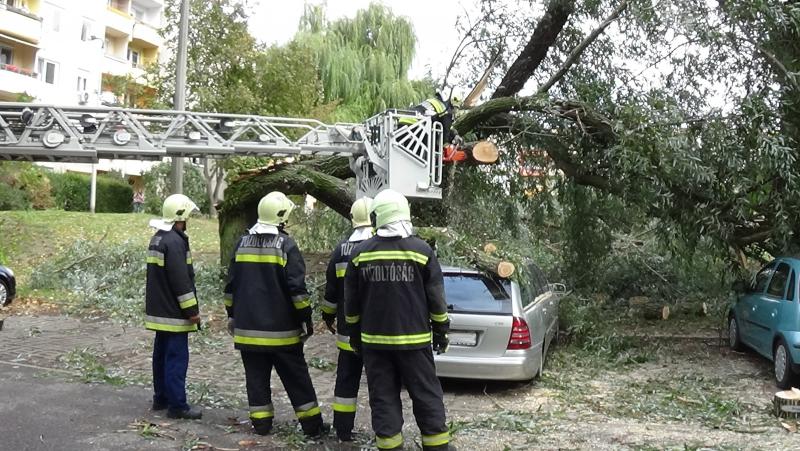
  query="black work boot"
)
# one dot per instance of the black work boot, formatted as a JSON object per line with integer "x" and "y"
{"x": 158, "y": 406}
{"x": 315, "y": 429}
{"x": 262, "y": 426}
{"x": 344, "y": 436}
{"x": 192, "y": 413}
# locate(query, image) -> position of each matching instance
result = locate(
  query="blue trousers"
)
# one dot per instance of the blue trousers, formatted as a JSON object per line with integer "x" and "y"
{"x": 170, "y": 362}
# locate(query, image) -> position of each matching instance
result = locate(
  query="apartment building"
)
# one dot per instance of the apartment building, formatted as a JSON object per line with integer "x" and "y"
{"x": 64, "y": 52}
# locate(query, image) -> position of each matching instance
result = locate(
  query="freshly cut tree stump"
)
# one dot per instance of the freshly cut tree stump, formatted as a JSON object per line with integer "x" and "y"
{"x": 489, "y": 248}
{"x": 786, "y": 404}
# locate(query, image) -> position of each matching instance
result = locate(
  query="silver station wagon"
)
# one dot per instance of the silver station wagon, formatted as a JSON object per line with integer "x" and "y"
{"x": 499, "y": 329}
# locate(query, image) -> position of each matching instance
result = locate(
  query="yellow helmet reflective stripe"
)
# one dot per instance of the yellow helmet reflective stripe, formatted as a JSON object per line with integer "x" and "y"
{"x": 359, "y": 212}
{"x": 274, "y": 208}
{"x": 390, "y": 206}
{"x": 177, "y": 207}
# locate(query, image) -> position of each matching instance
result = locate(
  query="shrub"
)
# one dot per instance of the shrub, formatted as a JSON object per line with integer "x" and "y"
{"x": 157, "y": 186}
{"x": 25, "y": 186}
{"x": 12, "y": 198}
{"x": 71, "y": 192}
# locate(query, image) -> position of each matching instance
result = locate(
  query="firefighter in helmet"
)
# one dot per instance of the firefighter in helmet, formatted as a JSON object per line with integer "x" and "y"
{"x": 171, "y": 306}
{"x": 394, "y": 306}
{"x": 348, "y": 370}
{"x": 443, "y": 112}
{"x": 270, "y": 316}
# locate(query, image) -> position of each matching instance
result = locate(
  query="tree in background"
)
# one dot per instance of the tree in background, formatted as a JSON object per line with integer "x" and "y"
{"x": 363, "y": 62}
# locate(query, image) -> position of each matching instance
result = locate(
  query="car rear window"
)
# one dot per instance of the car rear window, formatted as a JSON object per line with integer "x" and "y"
{"x": 475, "y": 293}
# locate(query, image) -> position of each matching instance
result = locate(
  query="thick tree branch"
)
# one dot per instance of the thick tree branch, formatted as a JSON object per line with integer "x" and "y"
{"x": 582, "y": 114}
{"x": 577, "y": 51}
{"x": 535, "y": 51}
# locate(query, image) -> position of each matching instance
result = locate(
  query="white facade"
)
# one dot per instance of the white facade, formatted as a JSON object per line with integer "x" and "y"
{"x": 56, "y": 52}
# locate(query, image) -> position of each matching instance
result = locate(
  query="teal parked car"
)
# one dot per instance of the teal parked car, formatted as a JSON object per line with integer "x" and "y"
{"x": 765, "y": 316}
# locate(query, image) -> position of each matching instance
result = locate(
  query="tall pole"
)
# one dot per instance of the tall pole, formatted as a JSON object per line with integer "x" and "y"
{"x": 93, "y": 189}
{"x": 180, "y": 90}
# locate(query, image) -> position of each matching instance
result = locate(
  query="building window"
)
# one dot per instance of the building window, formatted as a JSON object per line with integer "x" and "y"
{"x": 133, "y": 57}
{"x": 54, "y": 20}
{"x": 47, "y": 71}
{"x": 138, "y": 13}
{"x": 86, "y": 31}
{"x": 12, "y": 3}
{"x": 81, "y": 83}
{"x": 6, "y": 55}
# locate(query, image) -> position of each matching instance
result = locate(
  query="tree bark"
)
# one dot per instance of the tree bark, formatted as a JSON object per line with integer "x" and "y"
{"x": 321, "y": 178}
{"x": 535, "y": 51}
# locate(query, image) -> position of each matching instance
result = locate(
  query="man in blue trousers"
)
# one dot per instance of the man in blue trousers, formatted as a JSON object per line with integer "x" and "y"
{"x": 171, "y": 306}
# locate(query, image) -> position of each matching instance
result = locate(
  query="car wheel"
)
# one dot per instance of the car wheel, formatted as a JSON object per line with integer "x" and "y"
{"x": 734, "y": 340}
{"x": 3, "y": 293}
{"x": 783, "y": 365}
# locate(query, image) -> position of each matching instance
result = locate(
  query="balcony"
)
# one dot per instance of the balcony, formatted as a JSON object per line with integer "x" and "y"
{"x": 118, "y": 22}
{"x": 116, "y": 66}
{"x": 147, "y": 35}
{"x": 16, "y": 80}
{"x": 20, "y": 23}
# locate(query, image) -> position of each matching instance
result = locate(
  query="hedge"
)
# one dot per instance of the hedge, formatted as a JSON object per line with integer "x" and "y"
{"x": 71, "y": 192}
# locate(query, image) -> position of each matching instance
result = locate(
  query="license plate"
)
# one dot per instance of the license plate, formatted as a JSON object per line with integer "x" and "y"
{"x": 463, "y": 338}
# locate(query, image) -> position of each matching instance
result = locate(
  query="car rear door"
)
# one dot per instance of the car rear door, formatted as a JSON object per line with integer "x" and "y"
{"x": 534, "y": 308}
{"x": 768, "y": 306}
{"x": 481, "y": 314}
{"x": 749, "y": 303}
{"x": 544, "y": 299}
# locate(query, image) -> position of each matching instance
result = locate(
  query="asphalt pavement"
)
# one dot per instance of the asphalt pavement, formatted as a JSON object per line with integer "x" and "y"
{"x": 42, "y": 410}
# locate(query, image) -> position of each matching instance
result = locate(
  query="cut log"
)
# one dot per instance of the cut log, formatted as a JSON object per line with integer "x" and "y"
{"x": 786, "y": 404}
{"x": 483, "y": 152}
{"x": 489, "y": 248}
{"x": 444, "y": 240}
{"x": 644, "y": 307}
{"x": 698, "y": 309}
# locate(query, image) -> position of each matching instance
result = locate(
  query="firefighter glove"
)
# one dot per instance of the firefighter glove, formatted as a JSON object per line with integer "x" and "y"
{"x": 330, "y": 320}
{"x": 440, "y": 343}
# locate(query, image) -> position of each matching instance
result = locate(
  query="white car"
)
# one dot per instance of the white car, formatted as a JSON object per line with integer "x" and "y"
{"x": 498, "y": 329}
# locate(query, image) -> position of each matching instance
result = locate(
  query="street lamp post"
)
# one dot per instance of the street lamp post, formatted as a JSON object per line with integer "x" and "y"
{"x": 180, "y": 90}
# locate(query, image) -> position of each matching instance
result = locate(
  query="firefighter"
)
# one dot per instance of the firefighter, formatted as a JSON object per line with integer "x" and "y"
{"x": 270, "y": 316}
{"x": 348, "y": 370}
{"x": 394, "y": 302}
{"x": 171, "y": 306}
{"x": 442, "y": 111}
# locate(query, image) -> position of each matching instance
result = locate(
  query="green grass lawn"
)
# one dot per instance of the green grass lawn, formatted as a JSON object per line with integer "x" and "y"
{"x": 28, "y": 238}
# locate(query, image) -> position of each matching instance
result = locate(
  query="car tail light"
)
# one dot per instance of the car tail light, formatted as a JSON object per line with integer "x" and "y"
{"x": 520, "y": 335}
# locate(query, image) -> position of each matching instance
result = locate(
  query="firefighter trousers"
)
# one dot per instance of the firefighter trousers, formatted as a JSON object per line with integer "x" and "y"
{"x": 348, "y": 378}
{"x": 293, "y": 371}
{"x": 170, "y": 363}
{"x": 414, "y": 369}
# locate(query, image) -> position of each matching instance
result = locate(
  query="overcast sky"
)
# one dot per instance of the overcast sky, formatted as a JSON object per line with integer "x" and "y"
{"x": 275, "y": 22}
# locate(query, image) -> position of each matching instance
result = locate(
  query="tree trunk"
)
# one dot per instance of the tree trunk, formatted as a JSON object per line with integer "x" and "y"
{"x": 320, "y": 177}
{"x": 644, "y": 307}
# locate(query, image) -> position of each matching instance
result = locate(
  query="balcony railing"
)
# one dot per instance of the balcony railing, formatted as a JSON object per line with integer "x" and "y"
{"x": 18, "y": 70}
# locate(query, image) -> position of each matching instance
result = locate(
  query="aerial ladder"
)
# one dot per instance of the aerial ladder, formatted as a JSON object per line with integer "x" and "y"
{"x": 384, "y": 151}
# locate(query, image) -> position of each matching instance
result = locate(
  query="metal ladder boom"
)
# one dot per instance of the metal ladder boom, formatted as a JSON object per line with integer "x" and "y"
{"x": 383, "y": 152}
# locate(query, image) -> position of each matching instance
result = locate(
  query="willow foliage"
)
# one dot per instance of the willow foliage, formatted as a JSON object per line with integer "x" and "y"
{"x": 363, "y": 62}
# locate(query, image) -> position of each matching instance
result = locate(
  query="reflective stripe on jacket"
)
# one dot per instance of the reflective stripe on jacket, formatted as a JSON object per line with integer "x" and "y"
{"x": 394, "y": 293}
{"x": 266, "y": 292}
{"x": 170, "y": 295}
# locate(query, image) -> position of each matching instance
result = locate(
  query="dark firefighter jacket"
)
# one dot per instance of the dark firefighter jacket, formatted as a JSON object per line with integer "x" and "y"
{"x": 334, "y": 290}
{"x": 170, "y": 298}
{"x": 394, "y": 293}
{"x": 266, "y": 292}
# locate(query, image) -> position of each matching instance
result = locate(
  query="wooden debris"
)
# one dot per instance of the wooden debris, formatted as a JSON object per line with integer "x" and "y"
{"x": 786, "y": 404}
